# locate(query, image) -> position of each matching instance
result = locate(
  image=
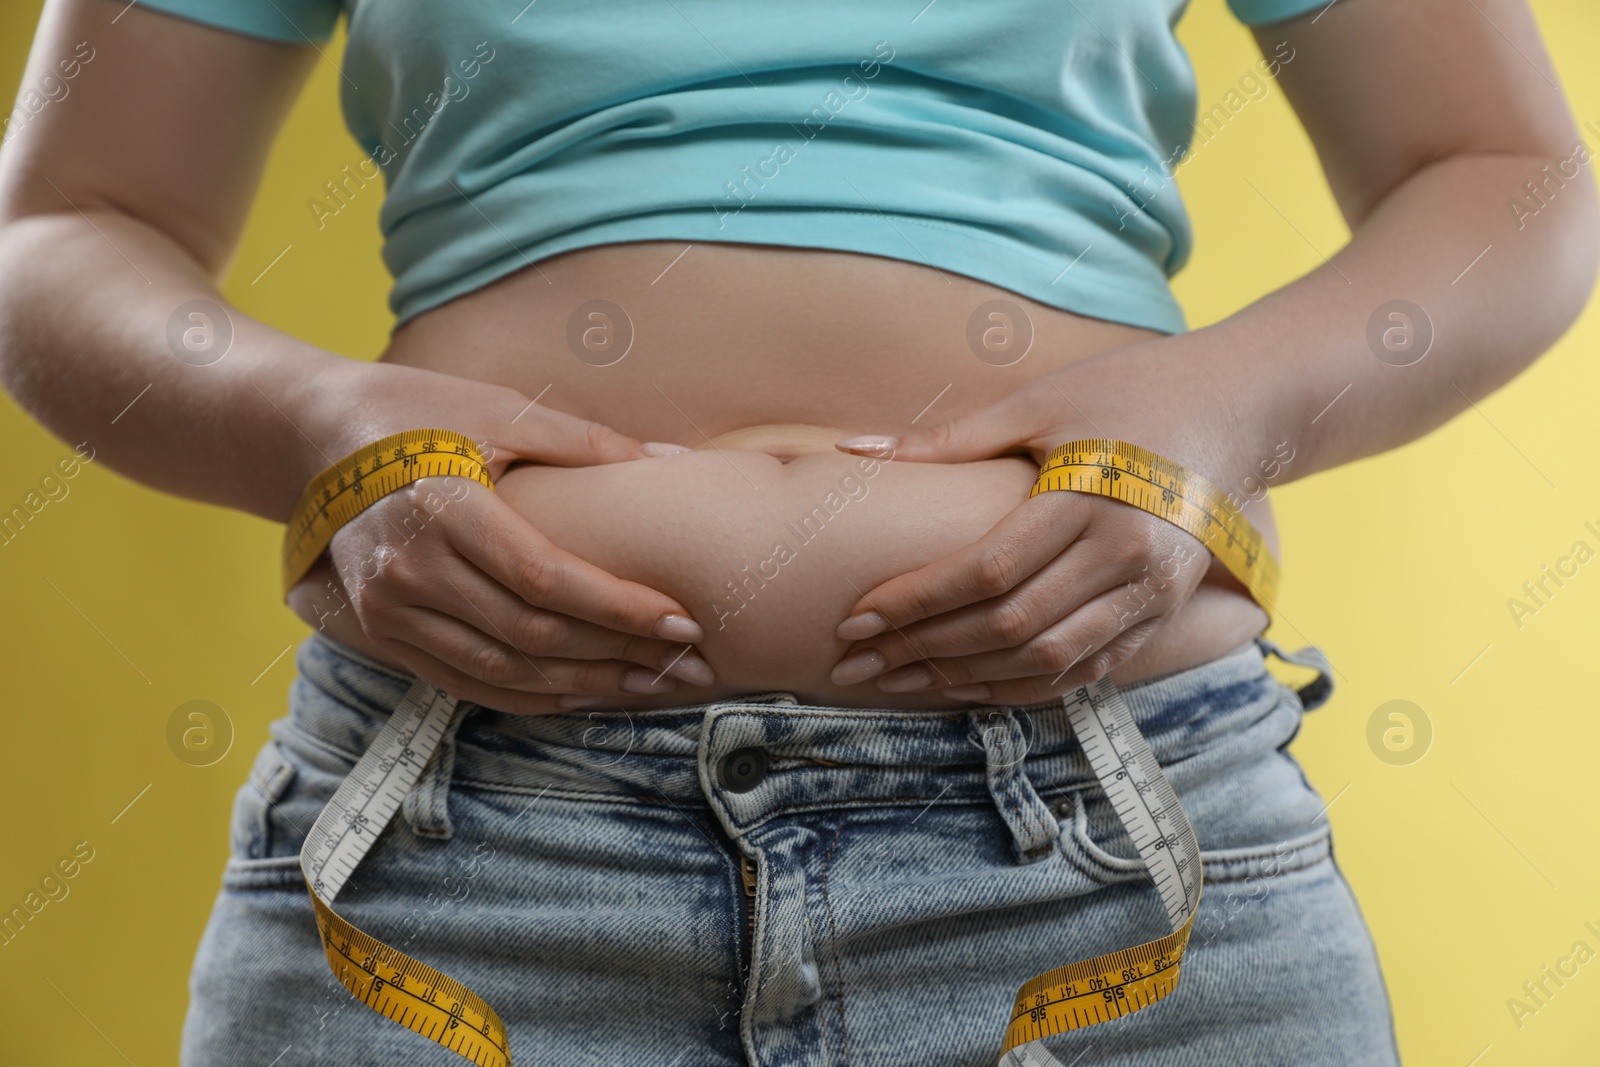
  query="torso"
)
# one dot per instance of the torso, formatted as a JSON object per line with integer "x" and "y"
{"x": 759, "y": 358}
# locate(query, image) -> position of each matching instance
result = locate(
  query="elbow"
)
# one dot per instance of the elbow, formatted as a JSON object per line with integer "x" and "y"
{"x": 13, "y": 254}
{"x": 1586, "y": 237}
{"x": 1573, "y": 266}
{"x": 23, "y": 318}
{"x": 1552, "y": 230}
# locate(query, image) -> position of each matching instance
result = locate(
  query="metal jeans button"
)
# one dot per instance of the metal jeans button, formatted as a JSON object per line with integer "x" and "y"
{"x": 742, "y": 769}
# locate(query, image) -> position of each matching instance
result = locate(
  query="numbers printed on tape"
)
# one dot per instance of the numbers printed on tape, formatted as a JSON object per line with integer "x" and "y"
{"x": 1067, "y": 998}
{"x": 1150, "y": 483}
{"x": 445, "y": 1011}
{"x": 384, "y": 978}
{"x": 356, "y": 482}
{"x": 1111, "y": 986}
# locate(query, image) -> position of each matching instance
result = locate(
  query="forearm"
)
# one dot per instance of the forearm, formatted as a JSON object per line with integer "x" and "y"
{"x": 1297, "y": 366}
{"x": 85, "y": 305}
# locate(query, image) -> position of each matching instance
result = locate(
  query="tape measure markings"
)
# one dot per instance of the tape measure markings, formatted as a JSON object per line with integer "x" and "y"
{"x": 1131, "y": 979}
{"x": 344, "y": 490}
{"x": 1133, "y": 475}
{"x": 1068, "y": 998}
{"x": 1170, "y": 495}
{"x": 384, "y": 978}
{"x": 427, "y": 1018}
{"x": 409, "y": 738}
{"x": 440, "y": 462}
{"x": 1070, "y": 455}
{"x": 1100, "y": 718}
{"x": 407, "y": 990}
{"x": 452, "y": 987}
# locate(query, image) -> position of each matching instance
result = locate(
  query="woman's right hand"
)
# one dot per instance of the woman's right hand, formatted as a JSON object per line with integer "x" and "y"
{"x": 462, "y": 590}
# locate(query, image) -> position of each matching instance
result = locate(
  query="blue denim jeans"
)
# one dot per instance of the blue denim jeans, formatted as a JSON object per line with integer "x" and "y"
{"x": 759, "y": 882}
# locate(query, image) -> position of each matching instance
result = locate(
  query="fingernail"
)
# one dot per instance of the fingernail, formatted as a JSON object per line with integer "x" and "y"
{"x": 578, "y": 702}
{"x": 859, "y": 667}
{"x": 639, "y": 680}
{"x": 687, "y": 666}
{"x": 906, "y": 681}
{"x": 679, "y": 628}
{"x": 873, "y": 445}
{"x": 968, "y": 692}
{"x": 663, "y": 448}
{"x": 861, "y": 627}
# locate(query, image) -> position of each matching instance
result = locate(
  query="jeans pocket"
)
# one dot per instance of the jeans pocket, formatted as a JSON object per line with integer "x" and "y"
{"x": 1110, "y": 856}
{"x": 1079, "y": 844}
{"x": 273, "y": 811}
{"x": 1264, "y": 863}
{"x": 271, "y": 775}
{"x": 1243, "y": 885}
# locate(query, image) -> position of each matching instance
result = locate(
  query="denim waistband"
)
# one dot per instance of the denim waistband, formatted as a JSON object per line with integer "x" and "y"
{"x": 785, "y": 756}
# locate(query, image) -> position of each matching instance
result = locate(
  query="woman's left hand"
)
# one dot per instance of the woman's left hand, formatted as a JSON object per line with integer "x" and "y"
{"x": 1060, "y": 591}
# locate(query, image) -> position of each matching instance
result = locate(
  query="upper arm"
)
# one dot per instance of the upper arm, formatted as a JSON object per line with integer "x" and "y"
{"x": 1385, "y": 88}
{"x": 159, "y": 117}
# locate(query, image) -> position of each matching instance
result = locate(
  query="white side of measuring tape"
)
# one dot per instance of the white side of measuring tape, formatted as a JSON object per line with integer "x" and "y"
{"x": 1032, "y": 1054}
{"x": 374, "y": 790}
{"x": 1139, "y": 791}
{"x": 387, "y": 980}
{"x": 1145, "y": 802}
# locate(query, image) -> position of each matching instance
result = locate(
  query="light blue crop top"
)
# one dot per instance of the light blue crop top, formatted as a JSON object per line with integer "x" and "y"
{"x": 1025, "y": 143}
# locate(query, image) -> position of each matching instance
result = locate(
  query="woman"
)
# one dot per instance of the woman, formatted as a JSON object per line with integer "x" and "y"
{"x": 765, "y": 322}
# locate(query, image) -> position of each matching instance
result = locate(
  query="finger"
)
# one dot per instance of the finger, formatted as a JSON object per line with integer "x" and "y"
{"x": 505, "y": 546}
{"x": 1027, "y": 538}
{"x": 482, "y": 659}
{"x": 1040, "y": 688}
{"x": 548, "y": 436}
{"x": 983, "y": 434}
{"x": 1087, "y": 568}
{"x": 1071, "y": 649}
{"x": 463, "y": 687}
{"x": 458, "y": 589}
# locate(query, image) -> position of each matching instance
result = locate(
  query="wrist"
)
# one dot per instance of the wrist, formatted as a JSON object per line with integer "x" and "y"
{"x": 366, "y": 476}
{"x": 333, "y": 417}
{"x": 1168, "y": 397}
{"x": 349, "y": 404}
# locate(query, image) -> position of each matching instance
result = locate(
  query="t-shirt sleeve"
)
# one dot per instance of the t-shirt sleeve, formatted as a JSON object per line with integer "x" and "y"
{"x": 289, "y": 21}
{"x": 1260, "y": 12}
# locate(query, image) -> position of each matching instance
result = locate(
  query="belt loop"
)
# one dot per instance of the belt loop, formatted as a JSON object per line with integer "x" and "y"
{"x": 427, "y": 806}
{"x": 1316, "y": 692}
{"x": 1033, "y": 826}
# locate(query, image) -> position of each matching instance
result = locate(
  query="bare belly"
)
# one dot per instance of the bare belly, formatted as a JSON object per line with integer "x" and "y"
{"x": 758, "y": 358}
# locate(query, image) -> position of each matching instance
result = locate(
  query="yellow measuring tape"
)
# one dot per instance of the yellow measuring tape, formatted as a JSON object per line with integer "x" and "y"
{"x": 366, "y": 476}
{"x": 385, "y": 979}
{"x": 1161, "y": 487}
{"x": 1111, "y": 986}
{"x": 380, "y": 976}
{"x": 1068, "y": 998}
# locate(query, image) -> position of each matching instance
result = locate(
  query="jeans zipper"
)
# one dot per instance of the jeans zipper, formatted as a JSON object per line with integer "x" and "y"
{"x": 747, "y": 874}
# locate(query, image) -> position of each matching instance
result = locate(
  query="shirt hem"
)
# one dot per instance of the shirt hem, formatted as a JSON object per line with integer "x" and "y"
{"x": 1149, "y": 307}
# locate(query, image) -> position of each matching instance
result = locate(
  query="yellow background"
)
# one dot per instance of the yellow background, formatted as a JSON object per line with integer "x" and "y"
{"x": 1474, "y": 865}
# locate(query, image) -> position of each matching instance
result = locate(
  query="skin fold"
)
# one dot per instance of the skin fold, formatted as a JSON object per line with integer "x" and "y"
{"x": 602, "y": 558}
